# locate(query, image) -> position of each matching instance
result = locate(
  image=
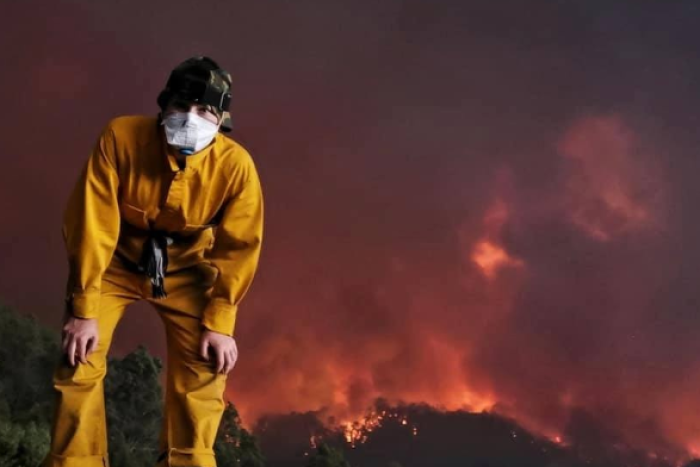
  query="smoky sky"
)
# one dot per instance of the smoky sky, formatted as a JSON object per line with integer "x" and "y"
{"x": 469, "y": 204}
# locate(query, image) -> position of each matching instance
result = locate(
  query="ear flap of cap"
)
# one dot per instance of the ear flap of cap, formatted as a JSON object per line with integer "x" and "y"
{"x": 163, "y": 99}
{"x": 226, "y": 124}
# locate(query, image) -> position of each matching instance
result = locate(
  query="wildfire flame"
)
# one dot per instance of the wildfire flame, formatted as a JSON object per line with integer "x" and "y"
{"x": 357, "y": 431}
{"x": 491, "y": 257}
{"x": 487, "y": 252}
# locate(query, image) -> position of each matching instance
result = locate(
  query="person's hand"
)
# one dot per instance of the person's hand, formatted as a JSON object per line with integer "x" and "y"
{"x": 80, "y": 338}
{"x": 222, "y": 346}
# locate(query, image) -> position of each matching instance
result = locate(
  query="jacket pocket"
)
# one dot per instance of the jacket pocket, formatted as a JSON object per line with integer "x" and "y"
{"x": 197, "y": 227}
{"x": 134, "y": 216}
{"x": 204, "y": 234}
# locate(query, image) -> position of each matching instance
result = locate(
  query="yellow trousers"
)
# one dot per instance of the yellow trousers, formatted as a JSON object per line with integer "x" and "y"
{"x": 194, "y": 401}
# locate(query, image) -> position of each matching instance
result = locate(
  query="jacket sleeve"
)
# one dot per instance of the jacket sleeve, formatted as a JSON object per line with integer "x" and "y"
{"x": 91, "y": 224}
{"x": 235, "y": 253}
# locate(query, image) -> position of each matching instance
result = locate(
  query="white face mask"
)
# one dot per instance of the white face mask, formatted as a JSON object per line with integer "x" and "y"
{"x": 188, "y": 131}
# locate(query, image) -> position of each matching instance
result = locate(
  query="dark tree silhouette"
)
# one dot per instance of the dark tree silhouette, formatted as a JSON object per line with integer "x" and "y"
{"x": 28, "y": 353}
{"x": 327, "y": 456}
{"x": 134, "y": 409}
{"x": 235, "y": 446}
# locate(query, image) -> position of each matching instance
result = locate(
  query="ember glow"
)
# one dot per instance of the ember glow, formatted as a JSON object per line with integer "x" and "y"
{"x": 481, "y": 360}
{"x": 491, "y": 257}
{"x": 487, "y": 365}
{"x": 359, "y": 431}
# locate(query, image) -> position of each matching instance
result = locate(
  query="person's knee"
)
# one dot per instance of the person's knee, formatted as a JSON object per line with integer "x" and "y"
{"x": 82, "y": 374}
{"x": 196, "y": 379}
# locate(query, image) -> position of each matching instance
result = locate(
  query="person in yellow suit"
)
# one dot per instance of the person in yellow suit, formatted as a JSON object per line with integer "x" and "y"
{"x": 169, "y": 210}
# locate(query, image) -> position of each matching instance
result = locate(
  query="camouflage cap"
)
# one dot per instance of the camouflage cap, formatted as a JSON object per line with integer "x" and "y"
{"x": 200, "y": 79}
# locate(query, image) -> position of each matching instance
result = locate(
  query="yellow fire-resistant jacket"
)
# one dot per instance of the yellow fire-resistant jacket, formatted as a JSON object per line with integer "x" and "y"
{"x": 131, "y": 183}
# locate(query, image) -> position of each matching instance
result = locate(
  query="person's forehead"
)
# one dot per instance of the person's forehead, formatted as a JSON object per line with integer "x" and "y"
{"x": 180, "y": 102}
